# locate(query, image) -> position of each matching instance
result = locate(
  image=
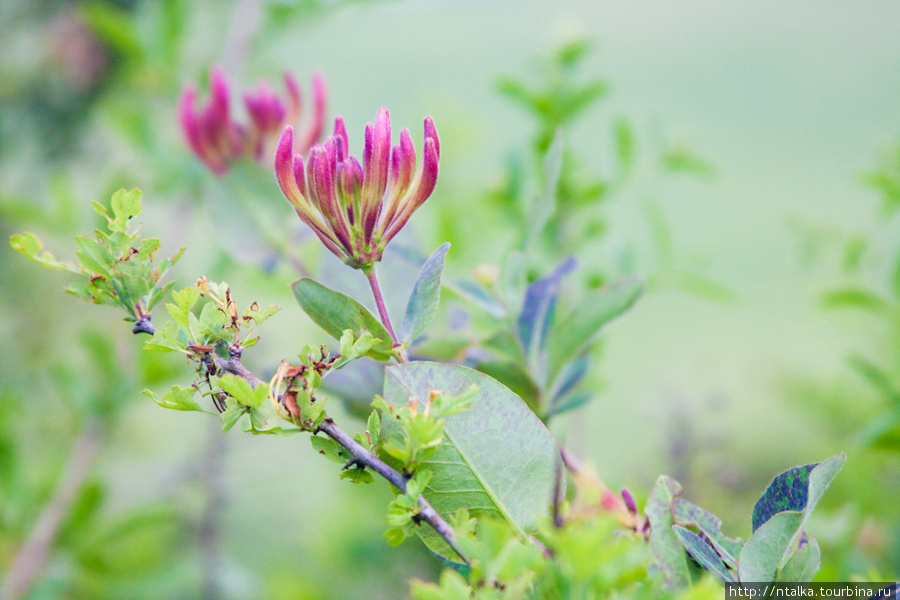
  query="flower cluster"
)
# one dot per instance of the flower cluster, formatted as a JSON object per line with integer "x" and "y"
{"x": 357, "y": 209}
{"x": 218, "y": 140}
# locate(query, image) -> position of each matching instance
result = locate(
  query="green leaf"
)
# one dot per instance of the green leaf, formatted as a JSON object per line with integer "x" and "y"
{"x": 601, "y": 306}
{"x": 232, "y": 414}
{"x": 793, "y": 490}
{"x": 767, "y": 547}
{"x": 31, "y": 246}
{"x": 703, "y": 553}
{"x": 855, "y": 298}
{"x": 467, "y": 471}
{"x": 93, "y": 257}
{"x": 177, "y": 398}
{"x": 515, "y": 377}
{"x": 779, "y": 515}
{"x": 689, "y": 514}
{"x": 330, "y": 449}
{"x": 241, "y": 390}
{"x": 544, "y": 205}
{"x": 125, "y": 206}
{"x": 357, "y": 475}
{"x": 537, "y": 311}
{"x": 423, "y": 302}
{"x": 665, "y": 545}
{"x": 571, "y": 401}
{"x": 803, "y": 564}
{"x": 334, "y": 312}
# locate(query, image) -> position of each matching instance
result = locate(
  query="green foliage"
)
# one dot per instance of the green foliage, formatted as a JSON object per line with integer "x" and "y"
{"x": 465, "y": 471}
{"x": 423, "y": 301}
{"x": 118, "y": 265}
{"x": 335, "y": 312}
{"x": 778, "y": 550}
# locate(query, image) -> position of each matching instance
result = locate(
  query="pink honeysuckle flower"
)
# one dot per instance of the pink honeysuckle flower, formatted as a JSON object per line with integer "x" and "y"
{"x": 218, "y": 140}
{"x": 357, "y": 209}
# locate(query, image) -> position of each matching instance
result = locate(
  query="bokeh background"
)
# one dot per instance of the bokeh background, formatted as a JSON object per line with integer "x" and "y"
{"x": 755, "y": 126}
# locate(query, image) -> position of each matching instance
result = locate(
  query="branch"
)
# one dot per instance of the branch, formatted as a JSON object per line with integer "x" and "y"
{"x": 33, "y": 555}
{"x": 360, "y": 455}
{"x": 363, "y": 457}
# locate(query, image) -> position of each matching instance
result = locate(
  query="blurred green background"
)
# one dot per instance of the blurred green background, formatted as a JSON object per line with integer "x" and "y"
{"x": 728, "y": 371}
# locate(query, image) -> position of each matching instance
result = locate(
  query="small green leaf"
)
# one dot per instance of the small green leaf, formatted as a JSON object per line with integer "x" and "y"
{"x": 166, "y": 339}
{"x": 423, "y": 302}
{"x": 689, "y": 514}
{"x": 357, "y": 475}
{"x": 665, "y": 545}
{"x": 803, "y": 565}
{"x": 334, "y": 312}
{"x": 601, "y": 306}
{"x": 31, "y": 246}
{"x": 241, "y": 390}
{"x": 177, "y": 398}
{"x": 330, "y": 449}
{"x": 232, "y": 414}
{"x": 569, "y": 402}
{"x": 703, "y": 553}
{"x": 125, "y": 205}
{"x": 855, "y": 298}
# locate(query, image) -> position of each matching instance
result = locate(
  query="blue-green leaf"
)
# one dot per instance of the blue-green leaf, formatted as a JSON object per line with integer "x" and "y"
{"x": 423, "y": 302}
{"x": 703, "y": 553}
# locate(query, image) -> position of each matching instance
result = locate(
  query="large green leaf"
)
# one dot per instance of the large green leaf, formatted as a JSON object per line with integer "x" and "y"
{"x": 334, "y": 312}
{"x": 426, "y": 294}
{"x": 668, "y": 551}
{"x": 601, "y": 306}
{"x": 496, "y": 459}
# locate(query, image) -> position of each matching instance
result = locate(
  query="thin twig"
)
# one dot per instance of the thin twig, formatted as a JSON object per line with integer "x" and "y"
{"x": 34, "y": 553}
{"x": 363, "y": 457}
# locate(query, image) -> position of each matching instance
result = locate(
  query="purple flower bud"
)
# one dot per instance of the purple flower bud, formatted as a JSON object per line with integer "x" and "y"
{"x": 218, "y": 140}
{"x": 630, "y": 504}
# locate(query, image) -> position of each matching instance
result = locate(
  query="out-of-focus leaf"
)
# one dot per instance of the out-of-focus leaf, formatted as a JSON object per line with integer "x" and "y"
{"x": 477, "y": 295}
{"x": 423, "y": 302}
{"x": 537, "y": 310}
{"x": 567, "y": 339}
{"x": 513, "y": 376}
{"x": 334, "y": 312}
{"x": 855, "y": 298}
{"x": 544, "y": 205}
{"x": 877, "y": 377}
{"x": 568, "y": 402}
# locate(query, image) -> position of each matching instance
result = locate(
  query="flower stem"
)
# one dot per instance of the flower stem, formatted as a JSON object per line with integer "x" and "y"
{"x": 382, "y": 311}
